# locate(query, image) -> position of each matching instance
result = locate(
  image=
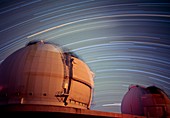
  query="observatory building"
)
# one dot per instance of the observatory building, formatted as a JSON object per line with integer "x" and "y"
{"x": 151, "y": 102}
{"x": 41, "y": 73}
{"x": 49, "y": 80}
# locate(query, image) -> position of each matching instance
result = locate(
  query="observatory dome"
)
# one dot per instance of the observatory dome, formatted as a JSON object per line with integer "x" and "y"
{"x": 146, "y": 101}
{"x": 41, "y": 73}
{"x": 132, "y": 103}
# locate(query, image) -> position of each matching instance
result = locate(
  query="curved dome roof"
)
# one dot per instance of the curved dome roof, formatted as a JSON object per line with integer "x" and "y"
{"x": 27, "y": 70}
{"x": 131, "y": 102}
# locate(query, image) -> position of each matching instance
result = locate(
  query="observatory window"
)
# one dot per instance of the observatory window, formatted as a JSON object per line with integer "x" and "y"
{"x": 17, "y": 93}
{"x": 44, "y": 94}
{"x": 30, "y": 94}
{"x": 3, "y": 94}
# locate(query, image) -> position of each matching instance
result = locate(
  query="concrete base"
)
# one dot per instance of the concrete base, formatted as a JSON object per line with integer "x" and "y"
{"x": 21, "y": 111}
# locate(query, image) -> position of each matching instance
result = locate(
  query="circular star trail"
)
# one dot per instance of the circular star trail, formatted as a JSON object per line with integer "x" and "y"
{"x": 123, "y": 42}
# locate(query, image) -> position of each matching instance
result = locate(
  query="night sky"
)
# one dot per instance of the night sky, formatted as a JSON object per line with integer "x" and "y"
{"x": 123, "y": 42}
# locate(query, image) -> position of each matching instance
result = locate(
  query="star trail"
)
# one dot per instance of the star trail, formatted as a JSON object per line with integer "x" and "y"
{"x": 123, "y": 42}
